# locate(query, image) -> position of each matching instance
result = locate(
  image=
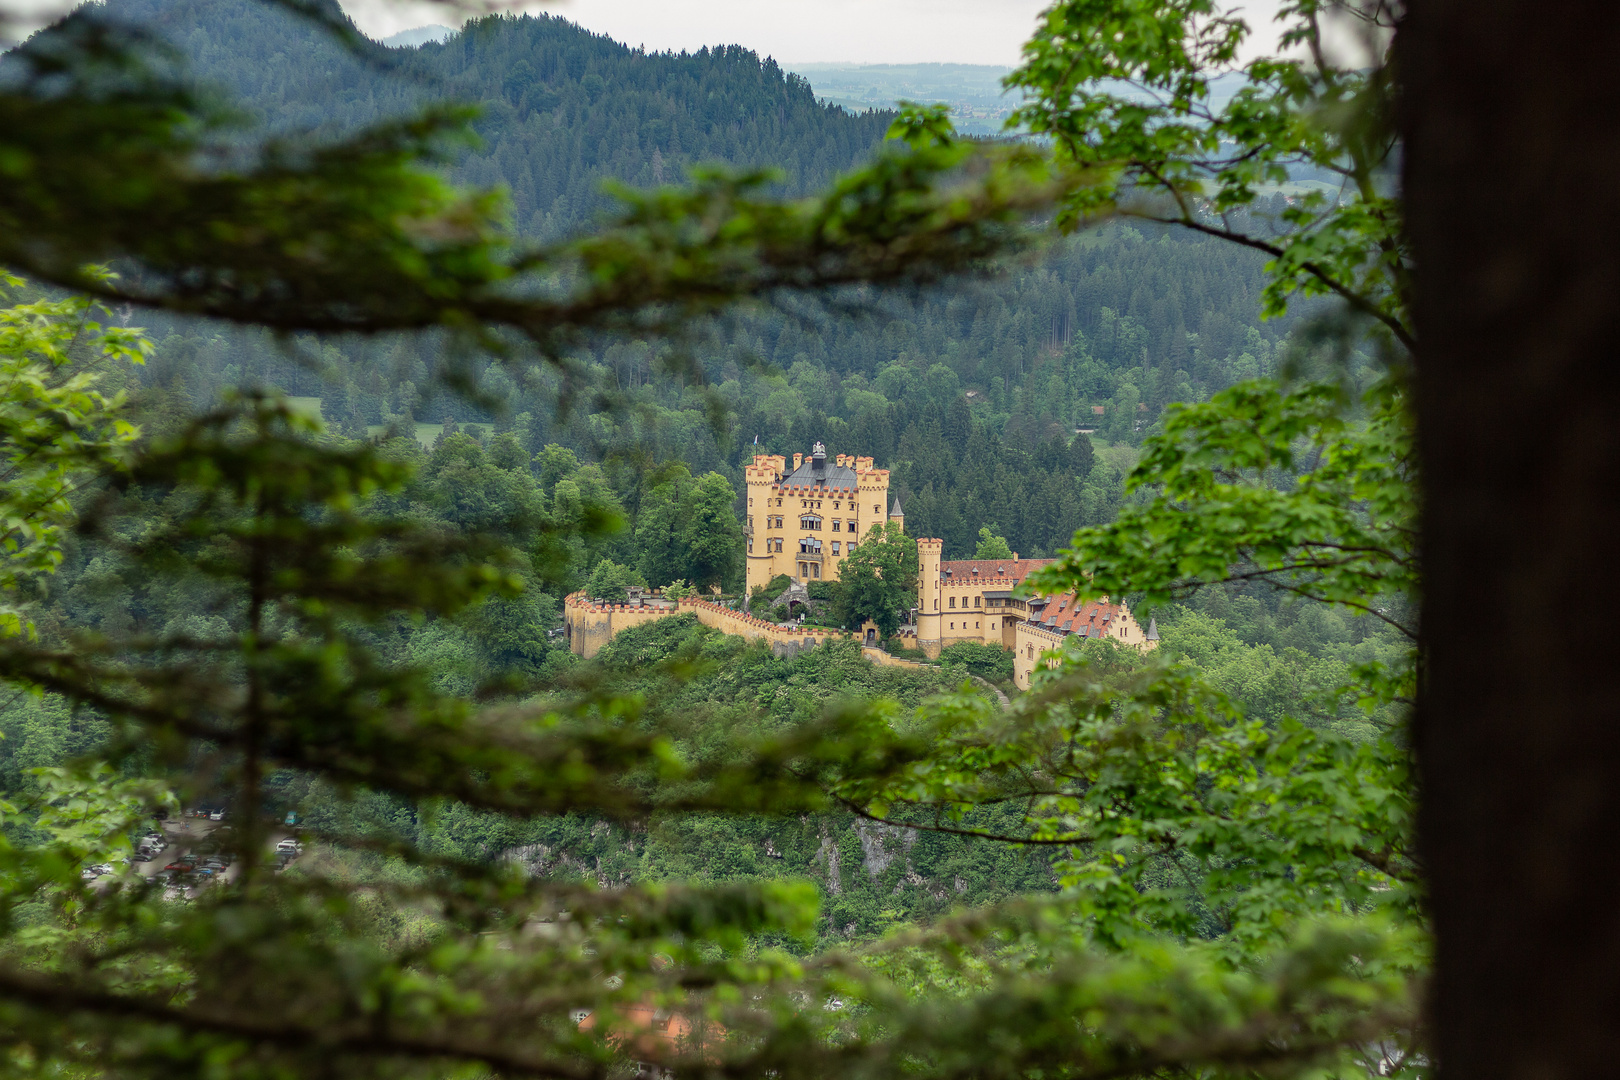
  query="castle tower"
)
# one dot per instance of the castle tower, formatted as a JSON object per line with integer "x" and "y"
{"x": 803, "y": 522}
{"x": 761, "y": 479}
{"x": 897, "y": 515}
{"x": 929, "y": 638}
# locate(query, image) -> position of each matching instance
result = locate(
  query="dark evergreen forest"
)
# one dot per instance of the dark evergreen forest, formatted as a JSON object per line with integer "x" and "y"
{"x": 973, "y": 395}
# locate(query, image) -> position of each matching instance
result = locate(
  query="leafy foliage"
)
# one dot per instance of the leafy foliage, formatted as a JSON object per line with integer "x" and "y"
{"x": 58, "y": 430}
{"x": 990, "y": 662}
{"x": 878, "y": 580}
{"x": 991, "y": 546}
{"x": 609, "y": 581}
{"x": 1125, "y": 88}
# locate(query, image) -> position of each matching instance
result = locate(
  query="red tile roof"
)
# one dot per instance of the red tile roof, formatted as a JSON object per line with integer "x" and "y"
{"x": 1015, "y": 569}
{"x": 1064, "y": 614}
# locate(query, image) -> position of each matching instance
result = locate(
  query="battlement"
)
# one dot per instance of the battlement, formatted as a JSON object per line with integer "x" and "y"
{"x": 591, "y": 625}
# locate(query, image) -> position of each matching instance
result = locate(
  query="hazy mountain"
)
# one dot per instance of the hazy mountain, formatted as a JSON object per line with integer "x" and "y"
{"x": 973, "y": 91}
{"x": 420, "y": 35}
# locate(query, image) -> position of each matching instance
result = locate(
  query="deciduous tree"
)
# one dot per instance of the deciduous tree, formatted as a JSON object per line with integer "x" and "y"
{"x": 879, "y": 579}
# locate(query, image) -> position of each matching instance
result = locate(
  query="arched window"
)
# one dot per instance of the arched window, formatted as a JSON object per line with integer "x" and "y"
{"x": 810, "y": 521}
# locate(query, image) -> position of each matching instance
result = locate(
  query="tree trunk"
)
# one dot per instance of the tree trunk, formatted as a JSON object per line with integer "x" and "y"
{"x": 1511, "y": 122}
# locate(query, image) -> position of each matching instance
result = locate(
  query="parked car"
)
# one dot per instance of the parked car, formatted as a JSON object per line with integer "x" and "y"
{"x": 141, "y": 856}
{"x": 289, "y": 845}
{"x": 216, "y": 815}
{"x": 182, "y": 866}
{"x": 88, "y": 874}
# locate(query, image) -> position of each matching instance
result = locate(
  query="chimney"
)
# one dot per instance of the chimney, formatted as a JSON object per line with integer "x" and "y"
{"x": 798, "y": 459}
{"x": 1015, "y": 556}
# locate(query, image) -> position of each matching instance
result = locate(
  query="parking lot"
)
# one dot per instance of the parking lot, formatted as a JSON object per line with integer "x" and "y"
{"x": 188, "y": 843}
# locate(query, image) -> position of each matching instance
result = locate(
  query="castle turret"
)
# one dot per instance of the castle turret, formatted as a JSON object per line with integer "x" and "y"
{"x": 897, "y": 515}
{"x": 929, "y": 638}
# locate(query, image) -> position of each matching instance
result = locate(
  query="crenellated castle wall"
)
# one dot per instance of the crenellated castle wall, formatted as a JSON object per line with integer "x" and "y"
{"x": 590, "y": 625}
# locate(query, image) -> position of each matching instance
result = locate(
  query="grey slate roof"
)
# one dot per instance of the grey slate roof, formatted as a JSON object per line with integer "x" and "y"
{"x": 829, "y": 475}
{"x": 895, "y": 511}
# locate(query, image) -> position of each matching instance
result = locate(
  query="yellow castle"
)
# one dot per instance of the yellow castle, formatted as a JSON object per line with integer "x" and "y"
{"x": 803, "y": 522}
{"x": 973, "y": 600}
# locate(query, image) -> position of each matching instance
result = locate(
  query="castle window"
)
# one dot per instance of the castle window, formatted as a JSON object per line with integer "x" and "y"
{"x": 953, "y": 601}
{"x": 836, "y": 525}
{"x": 953, "y": 626}
{"x": 876, "y": 509}
{"x": 976, "y": 600}
{"x": 835, "y": 547}
{"x": 810, "y": 521}
{"x": 975, "y": 624}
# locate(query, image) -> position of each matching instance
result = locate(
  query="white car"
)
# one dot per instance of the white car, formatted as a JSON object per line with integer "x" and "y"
{"x": 216, "y": 815}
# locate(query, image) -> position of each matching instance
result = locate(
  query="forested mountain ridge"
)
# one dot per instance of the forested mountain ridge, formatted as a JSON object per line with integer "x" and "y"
{"x": 563, "y": 109}
{"x": 966, "y": 392}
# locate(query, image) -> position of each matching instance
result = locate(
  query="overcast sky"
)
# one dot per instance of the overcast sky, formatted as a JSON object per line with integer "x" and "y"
{"x": 793, "y": 31}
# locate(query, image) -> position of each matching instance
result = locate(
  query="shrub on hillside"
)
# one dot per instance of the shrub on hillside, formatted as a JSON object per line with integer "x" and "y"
{"x": 990, "y": 662}
{"x": 610, "y": 580}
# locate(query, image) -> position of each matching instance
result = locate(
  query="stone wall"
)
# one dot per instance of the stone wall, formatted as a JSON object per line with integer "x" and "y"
{"x": 590, "y": 625}
{"x": 883, "y": 659}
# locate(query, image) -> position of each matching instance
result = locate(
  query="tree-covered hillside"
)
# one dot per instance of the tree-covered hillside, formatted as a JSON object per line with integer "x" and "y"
{"x": 563, "y": 109}
{"x": 971, "y": 395}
